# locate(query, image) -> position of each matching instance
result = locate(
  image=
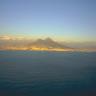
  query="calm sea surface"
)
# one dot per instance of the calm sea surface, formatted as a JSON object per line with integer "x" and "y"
{"x": 27, "y": 73}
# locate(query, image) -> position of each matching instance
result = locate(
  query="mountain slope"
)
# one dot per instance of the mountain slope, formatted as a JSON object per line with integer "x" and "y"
{"x": 47, "y": 44}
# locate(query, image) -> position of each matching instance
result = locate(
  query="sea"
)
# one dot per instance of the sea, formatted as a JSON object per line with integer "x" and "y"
{"x": 39, "y": 73}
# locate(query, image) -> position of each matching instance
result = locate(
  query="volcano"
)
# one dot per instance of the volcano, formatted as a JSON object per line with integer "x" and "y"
{"x": 47, "y": 44}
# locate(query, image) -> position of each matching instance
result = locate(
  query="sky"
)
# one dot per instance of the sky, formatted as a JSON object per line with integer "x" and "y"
{"x": 64, "y": 20}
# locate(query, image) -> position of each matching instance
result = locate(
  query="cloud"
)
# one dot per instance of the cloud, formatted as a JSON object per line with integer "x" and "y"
{"x": 5, "y": 37}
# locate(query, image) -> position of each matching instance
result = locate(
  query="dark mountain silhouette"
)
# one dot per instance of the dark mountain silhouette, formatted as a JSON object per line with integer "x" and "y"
{"x": 47, "y": 43}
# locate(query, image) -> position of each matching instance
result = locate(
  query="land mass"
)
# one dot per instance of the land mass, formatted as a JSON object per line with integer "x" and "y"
{"x": 40, "y": 45}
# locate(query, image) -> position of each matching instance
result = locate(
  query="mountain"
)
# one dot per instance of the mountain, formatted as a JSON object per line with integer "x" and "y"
{"x": 39, "y": 45}
{"x": 46, "y": 44}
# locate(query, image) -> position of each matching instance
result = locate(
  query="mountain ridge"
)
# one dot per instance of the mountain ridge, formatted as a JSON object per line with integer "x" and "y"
{"x": 47, "y": 43}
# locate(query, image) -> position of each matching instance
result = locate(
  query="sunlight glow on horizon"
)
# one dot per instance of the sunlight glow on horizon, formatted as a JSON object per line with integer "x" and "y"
{"x": 35, "y": 37}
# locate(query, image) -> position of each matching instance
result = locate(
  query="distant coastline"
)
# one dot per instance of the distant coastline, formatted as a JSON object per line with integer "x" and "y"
{"x": 43, "y": 45}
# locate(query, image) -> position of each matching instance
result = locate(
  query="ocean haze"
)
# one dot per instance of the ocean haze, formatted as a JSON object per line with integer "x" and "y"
{"x": 32, "y": 73}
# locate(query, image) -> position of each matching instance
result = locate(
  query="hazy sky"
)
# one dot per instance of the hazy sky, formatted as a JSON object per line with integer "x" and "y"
{"x": 72, "y": 20}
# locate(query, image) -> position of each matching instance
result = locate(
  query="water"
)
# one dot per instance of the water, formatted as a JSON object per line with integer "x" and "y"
{"x": 27, "y": 73}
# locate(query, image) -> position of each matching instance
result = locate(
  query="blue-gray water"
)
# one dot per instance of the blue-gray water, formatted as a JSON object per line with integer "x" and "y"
{"x": 27, "y": 73}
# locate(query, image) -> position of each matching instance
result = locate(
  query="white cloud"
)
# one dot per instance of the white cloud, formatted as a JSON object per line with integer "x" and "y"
{"x": 5, "y": 37}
